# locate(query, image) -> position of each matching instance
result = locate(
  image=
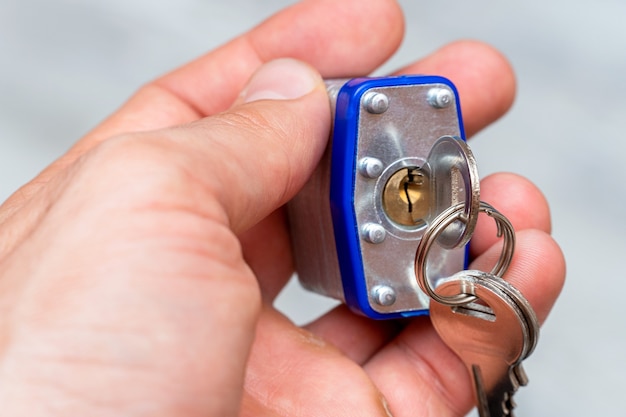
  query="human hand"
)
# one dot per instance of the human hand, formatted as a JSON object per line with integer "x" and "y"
{"x": 137, "y": 272}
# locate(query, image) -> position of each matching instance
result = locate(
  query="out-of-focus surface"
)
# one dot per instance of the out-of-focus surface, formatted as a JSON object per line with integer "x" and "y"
{"x": 66, "y": 64}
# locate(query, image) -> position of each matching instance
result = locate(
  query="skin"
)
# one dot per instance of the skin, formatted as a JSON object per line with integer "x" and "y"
{"x": 138, "y": 271}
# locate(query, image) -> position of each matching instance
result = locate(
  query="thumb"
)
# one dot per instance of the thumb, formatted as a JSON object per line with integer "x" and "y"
{"x": 262, "y": 150}
{"x": 281, "y": 79}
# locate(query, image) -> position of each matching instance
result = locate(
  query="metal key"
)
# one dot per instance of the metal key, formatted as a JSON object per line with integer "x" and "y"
{"x": 521, "y": 302}
{"x": 492, "y": 336}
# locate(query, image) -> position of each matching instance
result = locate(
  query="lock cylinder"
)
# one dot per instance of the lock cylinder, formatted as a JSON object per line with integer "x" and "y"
{"x": 406, "y": 197}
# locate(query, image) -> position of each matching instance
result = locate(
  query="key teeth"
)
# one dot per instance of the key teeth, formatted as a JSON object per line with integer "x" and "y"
{"x": 508, "y": 405}
{"x": 518, "y": 379}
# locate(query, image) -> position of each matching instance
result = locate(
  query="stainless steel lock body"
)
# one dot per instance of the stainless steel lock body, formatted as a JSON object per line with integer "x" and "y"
{"x": 396, "y": 159}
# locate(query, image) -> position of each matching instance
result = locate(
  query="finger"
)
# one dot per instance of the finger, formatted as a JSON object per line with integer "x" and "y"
{"x": 417, "y": 368}
{"x": 358, "y": 337}
{"x": 483, "y": 77}
{"x": 290, "y": 371}
{"x": 518, "y": 199}
{"x": 247, "y": 161}
{"x": 343, "y": 45}
{"x": 266, "y": 149}
{"x": 537, "y": 269}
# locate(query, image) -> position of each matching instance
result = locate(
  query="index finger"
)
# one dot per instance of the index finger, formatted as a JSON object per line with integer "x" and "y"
{"x": 337, "y": 38}
{"x": 334, "y": 37}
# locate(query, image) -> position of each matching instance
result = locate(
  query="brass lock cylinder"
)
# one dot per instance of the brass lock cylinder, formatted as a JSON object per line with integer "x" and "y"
{"x": 406, "y": 197}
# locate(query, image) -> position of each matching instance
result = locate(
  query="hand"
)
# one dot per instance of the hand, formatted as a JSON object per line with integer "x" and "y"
{"x": 137, "y": 272}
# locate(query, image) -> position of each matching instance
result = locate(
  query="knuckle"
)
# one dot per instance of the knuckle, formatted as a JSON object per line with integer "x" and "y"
{"x": 253, "y": 122}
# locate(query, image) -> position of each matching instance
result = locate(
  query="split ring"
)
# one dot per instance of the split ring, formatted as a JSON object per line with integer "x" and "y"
{"x": 439, "y": 224}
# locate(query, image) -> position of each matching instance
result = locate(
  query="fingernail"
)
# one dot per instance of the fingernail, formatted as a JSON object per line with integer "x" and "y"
{"x": 282, "y": 79}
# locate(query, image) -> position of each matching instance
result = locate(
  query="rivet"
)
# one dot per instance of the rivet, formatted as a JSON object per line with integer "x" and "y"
{"x": 440, "y": 98}
{"x": 374, "y": 233}
{"x": 384, "y": 295}
{"x": 375, "y": 103}
{"x": 370, "y": 167}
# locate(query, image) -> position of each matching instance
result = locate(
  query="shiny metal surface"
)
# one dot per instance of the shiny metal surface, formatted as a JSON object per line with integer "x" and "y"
{"x": 402, "y": 138}
{"x": 528, "y": 314}
{"x": 314, "y": 252}
{"x": 491, "y": 337}
{"x": 452, "y": 166}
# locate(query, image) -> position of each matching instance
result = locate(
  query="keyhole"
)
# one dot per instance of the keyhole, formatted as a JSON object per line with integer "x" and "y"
{"x": 406, "y": 197}
{"x": 412, "y": 185}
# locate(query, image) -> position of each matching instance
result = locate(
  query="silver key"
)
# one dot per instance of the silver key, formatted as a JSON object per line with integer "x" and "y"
{"x": 492, "y": 336}
{"x": 521, "y": 302}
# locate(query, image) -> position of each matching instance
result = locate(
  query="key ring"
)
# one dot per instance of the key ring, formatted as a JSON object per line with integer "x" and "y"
{"x": 441, "y": 222}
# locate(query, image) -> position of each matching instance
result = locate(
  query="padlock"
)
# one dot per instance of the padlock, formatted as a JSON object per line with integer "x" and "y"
{"x": 395, "y": 160}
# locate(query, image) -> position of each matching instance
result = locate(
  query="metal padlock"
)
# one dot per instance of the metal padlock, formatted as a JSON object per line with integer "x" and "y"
{"x": 396, "y": 159}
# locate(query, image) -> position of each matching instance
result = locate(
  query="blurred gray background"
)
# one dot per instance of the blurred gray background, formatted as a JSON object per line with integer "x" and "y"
{"x": 66, "y": 64}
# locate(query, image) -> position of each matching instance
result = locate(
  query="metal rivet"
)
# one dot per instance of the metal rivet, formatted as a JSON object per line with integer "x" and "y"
{"x": 375, "y": 103}
{"x": 440, "y": 98}
{"x": 384, "y": 295}
{"x": 374, "y": 233}
{"x": 370, "y": 167}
